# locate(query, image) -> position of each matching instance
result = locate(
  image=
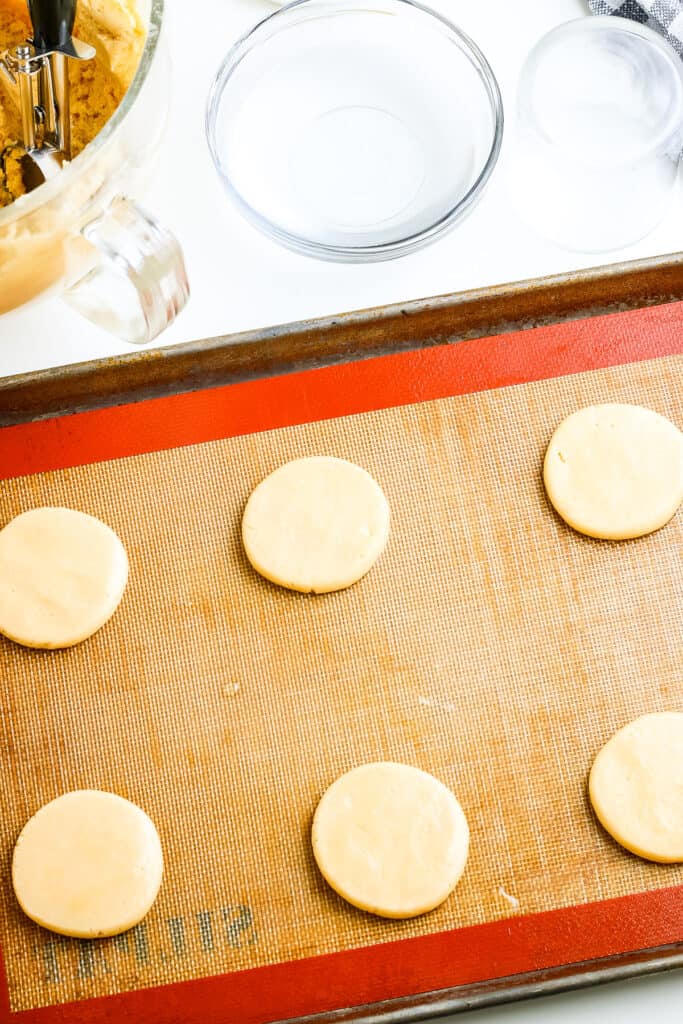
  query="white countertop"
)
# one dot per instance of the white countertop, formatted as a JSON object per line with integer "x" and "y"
{"x": 242, "y": 281}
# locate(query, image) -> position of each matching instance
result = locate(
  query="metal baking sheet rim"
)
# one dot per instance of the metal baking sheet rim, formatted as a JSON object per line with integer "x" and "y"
{"x": 348, "y": 337}
{"x": 291, "y": 348}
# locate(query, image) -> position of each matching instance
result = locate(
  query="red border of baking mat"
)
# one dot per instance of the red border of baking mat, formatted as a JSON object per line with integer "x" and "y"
{"x": 405, "y": 967}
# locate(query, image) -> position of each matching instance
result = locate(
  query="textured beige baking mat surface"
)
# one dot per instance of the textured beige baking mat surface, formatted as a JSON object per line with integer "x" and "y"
{"x": 490, "y": 645}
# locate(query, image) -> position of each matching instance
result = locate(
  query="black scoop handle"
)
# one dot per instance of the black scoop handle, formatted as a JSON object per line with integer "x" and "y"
{"x": 53, "y": 23}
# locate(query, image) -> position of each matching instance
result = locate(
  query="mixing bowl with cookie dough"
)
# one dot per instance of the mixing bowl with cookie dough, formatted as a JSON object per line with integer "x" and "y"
{"x": 81, "y": 234}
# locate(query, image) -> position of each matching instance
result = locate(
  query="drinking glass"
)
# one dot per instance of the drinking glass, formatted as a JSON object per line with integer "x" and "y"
{"x": 598, "y": 134}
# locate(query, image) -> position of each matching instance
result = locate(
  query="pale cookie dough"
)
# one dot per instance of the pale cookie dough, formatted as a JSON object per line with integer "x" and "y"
{"x": 615, "y": 471}
{"x": 636, "y": 787}
{"x": 315, "y": 524}
{"x": 390, "y": 839}
{"x": 62, "y": 575}
{"x": 88, "y": 864}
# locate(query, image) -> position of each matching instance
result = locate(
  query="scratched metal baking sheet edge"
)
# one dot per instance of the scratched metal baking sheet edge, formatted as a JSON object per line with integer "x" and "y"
{"x": 289, "y": 348}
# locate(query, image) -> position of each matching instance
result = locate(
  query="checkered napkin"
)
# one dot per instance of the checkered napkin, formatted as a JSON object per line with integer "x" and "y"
{"x": 664, "y": 16}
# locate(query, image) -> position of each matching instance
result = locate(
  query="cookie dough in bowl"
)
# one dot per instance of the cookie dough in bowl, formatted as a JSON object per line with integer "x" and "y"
{"x": 636, "y": 786}
{"x": 390, "y": 839}
{"x": 62, "y": 576}
{"x": 115, "y": 29}
{"x": 315, "y": 525}
{"x": 615, "y": 471}
{"x": 87, "y": 864}
{"x": 42, "y": 250}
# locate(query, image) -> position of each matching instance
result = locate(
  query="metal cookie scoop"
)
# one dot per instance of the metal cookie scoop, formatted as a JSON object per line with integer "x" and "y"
{"x": 38, "y": 73}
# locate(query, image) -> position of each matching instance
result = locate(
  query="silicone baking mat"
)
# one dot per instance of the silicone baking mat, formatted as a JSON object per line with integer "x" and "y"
{"x": 490, "y": 645}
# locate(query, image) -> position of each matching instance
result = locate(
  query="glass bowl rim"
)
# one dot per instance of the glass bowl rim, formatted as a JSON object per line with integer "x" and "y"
{"x": 374, "y": 251}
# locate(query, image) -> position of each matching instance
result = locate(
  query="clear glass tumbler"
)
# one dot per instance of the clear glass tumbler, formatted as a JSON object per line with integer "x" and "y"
{"x": 598, "y": 134}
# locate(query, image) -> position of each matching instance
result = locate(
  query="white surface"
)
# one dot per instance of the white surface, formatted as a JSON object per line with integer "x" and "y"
{"x": 241, "y": 280}
{"x": 653, "y": 1000}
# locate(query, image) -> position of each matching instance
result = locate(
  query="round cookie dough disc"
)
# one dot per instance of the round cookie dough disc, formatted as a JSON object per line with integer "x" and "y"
{"x": 636, "y": 787}
{"x": 62, "y": 575}
{"x": 87, "y": 864}
{"x": 315, "y": 524}
{"x": 615, "y": 471}
{"x": 390, "y": 839}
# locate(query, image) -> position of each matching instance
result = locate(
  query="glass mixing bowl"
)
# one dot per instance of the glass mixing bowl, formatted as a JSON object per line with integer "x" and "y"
{"x": 81, "y": 234}
{"x": 355, "y": 131}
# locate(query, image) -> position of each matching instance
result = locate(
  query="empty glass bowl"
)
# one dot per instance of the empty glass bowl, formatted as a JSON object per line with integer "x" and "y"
{"x": 355, "y": 131}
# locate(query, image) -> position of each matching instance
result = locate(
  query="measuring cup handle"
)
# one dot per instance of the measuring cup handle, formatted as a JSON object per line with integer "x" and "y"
{"x": 139, "y": 283}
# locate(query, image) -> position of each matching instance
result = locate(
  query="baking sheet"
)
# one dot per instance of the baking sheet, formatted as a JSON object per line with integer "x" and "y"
{"x": 490, "y": 645}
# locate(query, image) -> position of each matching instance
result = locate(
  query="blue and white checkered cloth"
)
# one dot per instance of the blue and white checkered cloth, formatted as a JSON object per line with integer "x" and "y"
{"x": 664, "y": 16}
